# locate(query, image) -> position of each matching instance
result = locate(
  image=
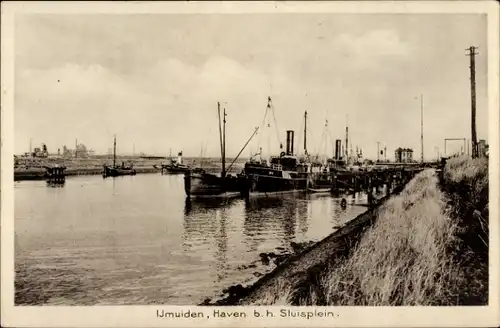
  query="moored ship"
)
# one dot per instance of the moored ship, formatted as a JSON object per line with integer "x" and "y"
{"x": 200, "y": 184}
{"x": 279, "y": 174}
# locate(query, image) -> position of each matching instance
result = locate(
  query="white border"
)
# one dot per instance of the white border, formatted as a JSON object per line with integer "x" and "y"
{"x": 145, "y": 316}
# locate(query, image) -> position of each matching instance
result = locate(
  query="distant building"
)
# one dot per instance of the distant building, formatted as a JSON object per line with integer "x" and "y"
{"x": 403, "y": 155}
{"x": 40, "y": 152}
{"x": 81, "y": 151}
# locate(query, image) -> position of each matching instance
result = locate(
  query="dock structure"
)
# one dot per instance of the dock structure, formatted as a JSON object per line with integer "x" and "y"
{"x": 374, "y": 180}
{"x": 55, "y": 174}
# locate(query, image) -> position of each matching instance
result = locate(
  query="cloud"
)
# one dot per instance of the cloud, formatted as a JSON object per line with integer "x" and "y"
{"x": 374, "y": 43}
{"x": 171, "y": 101}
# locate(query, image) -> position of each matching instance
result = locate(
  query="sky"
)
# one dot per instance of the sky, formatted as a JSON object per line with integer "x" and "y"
{"x": 154, "y": 81}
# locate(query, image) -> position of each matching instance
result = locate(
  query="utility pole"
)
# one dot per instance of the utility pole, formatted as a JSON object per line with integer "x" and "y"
{"x": 472, "y": 54}
{"x": 421, "y": 128}
{"x": 31, "y": 151}
{"x": 114, "y": 151}
{"x": 76, "y": 147}
{"x": 385, "y": 153}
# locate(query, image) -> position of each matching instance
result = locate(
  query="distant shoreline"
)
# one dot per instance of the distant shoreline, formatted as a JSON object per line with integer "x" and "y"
{"x": 33, "y": 168}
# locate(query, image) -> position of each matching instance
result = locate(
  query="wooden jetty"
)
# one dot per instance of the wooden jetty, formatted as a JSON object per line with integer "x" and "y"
{"x": 55, "y": 175}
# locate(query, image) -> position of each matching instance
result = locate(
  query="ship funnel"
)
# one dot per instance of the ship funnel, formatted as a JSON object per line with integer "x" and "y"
{"x": 338, "y": 144}
{"x": 289, "y": 142}
{"x": 179, "y": 158}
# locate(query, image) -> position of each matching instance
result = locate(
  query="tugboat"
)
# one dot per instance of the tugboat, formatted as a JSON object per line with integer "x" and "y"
{"x": 115, "y": 171}
{"x": 280, "y": 174}
{"x": 175, "y": 166}
{"x": 200, "y": 184}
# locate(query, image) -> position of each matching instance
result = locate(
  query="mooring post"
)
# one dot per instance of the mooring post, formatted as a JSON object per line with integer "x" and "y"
{"x": 370, "y": 195}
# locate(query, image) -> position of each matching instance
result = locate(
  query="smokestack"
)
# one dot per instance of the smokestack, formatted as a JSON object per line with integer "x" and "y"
{"x": 338, "y": 145}
{"x": 289, "y": 142}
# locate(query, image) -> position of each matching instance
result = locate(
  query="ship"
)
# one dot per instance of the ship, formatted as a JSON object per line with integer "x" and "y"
{"x": 201, "y": 184}
{"x": 279, "y": 174}
{"x": 325, "y": 174}
{"x": 175, "y": 165}
{"x": 114, "y": 170}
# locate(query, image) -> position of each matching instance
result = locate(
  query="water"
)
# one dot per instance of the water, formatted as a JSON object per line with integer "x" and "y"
{"x": 136, "y": 240}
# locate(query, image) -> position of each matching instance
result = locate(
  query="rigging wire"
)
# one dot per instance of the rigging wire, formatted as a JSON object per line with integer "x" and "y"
{"x": 271, "y": 106}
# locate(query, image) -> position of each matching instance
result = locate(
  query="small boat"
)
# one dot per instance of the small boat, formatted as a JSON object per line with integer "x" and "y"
{"x": 175, "y": 166}
{"x": 115, "y": 171}
{"x": 110, "y": 171}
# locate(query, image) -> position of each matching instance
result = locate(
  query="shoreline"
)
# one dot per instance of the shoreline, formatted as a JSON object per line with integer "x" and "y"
{"x": 39, "y": 173}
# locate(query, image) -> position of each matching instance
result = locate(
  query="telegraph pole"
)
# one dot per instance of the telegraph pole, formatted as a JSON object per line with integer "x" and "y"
{"x": 472, "y": 54}
{"x": 422, "y": 128}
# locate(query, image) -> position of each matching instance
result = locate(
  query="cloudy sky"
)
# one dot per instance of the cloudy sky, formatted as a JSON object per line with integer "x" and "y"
{"x": 154, "y": 80}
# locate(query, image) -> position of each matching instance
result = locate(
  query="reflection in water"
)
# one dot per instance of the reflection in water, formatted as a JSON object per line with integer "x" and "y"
{"x": 137, "y": 240}
{"x": 273, "y": 219}
{"x": 55, "y": 183}
{"x": 221, "y": 241}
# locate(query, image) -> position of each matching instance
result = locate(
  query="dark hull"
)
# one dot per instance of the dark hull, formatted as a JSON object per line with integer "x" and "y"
{"x": 175, "y": 169}
{"x": 206, "y": 185}
{"x": 117, "y": 171}
{"x": 265, "y": 181}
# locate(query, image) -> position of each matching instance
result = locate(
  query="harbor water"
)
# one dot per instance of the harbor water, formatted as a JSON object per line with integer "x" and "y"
{"x": 137, "y": 240}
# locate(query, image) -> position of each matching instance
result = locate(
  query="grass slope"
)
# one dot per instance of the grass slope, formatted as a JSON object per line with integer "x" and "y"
{"x": 428, "y": 246}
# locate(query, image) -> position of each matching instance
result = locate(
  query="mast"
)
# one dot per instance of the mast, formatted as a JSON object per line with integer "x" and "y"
{"x": 114, "y": 152}
{"x": 305, "y": 133}
{"x": 224, "y": 145}
{"x": 220, "y": 134}
{"x": 346, "y": 143}
{"x": 347, "y": 138}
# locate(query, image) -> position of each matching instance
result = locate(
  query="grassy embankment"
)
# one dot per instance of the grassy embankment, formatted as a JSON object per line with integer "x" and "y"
{"x": 425, "y": 248}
